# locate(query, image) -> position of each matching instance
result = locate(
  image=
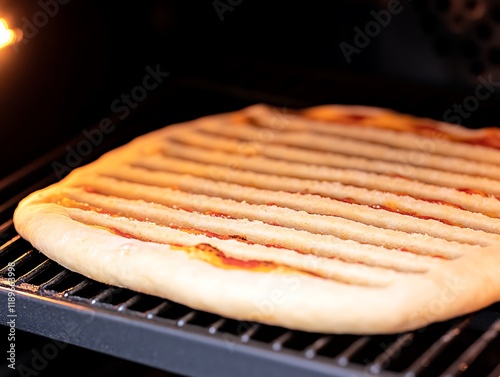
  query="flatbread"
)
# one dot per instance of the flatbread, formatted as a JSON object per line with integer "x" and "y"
{"x": 335, "y": 219}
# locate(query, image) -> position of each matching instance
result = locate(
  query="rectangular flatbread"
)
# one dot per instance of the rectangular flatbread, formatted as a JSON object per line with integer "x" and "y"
{"x": 334, "y": 219}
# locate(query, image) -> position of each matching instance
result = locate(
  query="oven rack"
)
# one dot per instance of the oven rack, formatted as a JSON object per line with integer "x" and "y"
{"x": 62, "y": 305}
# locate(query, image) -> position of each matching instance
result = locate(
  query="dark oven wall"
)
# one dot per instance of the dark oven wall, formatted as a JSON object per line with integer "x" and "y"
{"x": 81, "y": 61}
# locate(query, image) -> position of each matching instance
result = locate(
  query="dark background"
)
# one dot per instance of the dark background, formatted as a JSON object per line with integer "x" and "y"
{"x": 65, "y": 74}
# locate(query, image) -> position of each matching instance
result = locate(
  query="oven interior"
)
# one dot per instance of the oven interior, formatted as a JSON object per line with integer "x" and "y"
{"x": 68, "y": 318}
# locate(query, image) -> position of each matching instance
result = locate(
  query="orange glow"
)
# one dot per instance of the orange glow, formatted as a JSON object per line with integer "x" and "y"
{"x": 7, "y": 36}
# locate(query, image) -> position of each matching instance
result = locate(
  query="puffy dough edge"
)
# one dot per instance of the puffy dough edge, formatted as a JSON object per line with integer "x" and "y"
{"x": 296, "y": 301}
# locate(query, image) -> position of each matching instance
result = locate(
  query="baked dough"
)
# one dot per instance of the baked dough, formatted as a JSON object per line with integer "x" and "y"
{"x": 335, "y": 219}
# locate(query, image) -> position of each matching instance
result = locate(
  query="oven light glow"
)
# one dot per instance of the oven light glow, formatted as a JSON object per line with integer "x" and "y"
{"x": 7, "y": 36}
